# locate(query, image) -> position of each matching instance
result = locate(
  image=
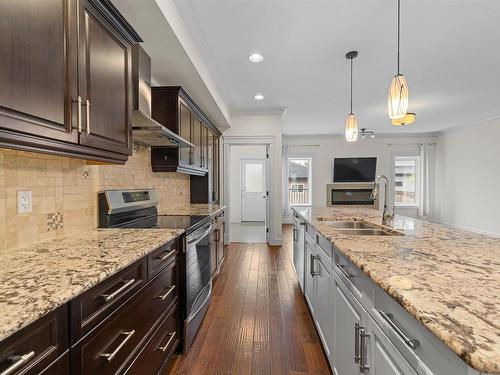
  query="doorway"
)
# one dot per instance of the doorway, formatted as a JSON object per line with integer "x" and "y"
{"x": 248, "y": 199}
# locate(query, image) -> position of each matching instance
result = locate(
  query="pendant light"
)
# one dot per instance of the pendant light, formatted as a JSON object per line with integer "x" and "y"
{"x": 397, "y": 99}
{"x": 351, "y": 124}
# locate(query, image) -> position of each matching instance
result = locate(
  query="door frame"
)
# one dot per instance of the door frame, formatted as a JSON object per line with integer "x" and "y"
{"x": 243, "y": 161}
{"x": 273, "y": 219}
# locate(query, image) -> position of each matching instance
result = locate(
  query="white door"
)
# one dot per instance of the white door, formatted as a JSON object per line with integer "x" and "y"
{"x": 253, "y": 190}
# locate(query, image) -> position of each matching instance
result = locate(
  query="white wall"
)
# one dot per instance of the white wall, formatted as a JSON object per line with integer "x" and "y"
{"x": 236, "y": 154}
{"x": 323, "y": 149}
{"x": 270, "y": 126}
{"x": 468, "y": 177}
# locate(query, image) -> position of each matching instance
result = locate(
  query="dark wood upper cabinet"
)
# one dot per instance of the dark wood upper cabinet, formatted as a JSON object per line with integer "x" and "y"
{"x": 37, "y": 73}
{"x": 184, "y": 132}
{"x": 65, "y": 78}
{"x": 175, "y": 109}
{"x": 105, "y": 78}
{"x": 196, "y": 140}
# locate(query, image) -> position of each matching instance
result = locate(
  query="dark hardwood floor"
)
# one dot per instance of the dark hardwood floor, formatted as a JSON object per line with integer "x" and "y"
{"x": 258, "y": 322}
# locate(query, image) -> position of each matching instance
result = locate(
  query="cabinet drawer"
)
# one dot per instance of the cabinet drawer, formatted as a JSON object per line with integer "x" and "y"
{"x": 310, "y": 230}
{"x": 350, "y": 274}
{"x": 59, "y": 367}
{"x": 161, "y": 257}
{"x": 160, "y": 347}
{"x": 36, "y": 346}
{"x": 326, "y": 247}
{"x": 92, "y": 307}
{"x": 416, "y": 343}
{"x": 108, "y": 349}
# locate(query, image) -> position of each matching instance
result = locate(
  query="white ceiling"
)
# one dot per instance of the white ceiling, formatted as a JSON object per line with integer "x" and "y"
{"x": 450, "y": 57}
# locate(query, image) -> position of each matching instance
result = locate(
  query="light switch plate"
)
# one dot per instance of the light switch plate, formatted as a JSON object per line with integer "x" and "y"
{"x": 24, "y": 201}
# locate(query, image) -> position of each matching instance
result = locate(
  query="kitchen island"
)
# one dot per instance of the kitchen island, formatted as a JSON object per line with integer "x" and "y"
{"x": 447, "y": 280}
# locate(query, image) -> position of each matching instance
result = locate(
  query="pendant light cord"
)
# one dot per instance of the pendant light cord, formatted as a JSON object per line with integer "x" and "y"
{"x": 399, "y": 16}
{"x": 351, "y": 85}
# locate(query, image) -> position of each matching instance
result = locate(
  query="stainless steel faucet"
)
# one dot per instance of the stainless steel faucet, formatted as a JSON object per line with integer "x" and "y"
{"x": 387, "y": 215}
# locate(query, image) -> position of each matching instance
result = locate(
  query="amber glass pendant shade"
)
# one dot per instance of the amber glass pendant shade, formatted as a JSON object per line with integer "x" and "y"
{"x": 351, "y": 128}
{"x": 406, "y": 120}
{"x": 397, "y": 99}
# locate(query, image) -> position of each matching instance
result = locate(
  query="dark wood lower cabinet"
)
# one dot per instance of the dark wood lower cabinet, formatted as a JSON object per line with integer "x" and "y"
{"x": 36, "y": 346}
{"x": 162, "y": 344}
{"x": 129, "y": 323}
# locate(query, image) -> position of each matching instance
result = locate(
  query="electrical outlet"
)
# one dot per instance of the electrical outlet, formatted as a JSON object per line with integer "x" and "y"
{"x": 24, "y": 202}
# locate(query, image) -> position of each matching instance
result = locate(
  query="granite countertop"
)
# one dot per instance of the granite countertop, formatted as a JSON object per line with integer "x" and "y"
{"x": 193, "y": 209}
{"x": 38, "y": 279}
{"x": 448, "y": 279}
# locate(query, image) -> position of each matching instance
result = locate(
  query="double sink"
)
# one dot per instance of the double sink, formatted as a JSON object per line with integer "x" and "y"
{"x": 358, "y": 228}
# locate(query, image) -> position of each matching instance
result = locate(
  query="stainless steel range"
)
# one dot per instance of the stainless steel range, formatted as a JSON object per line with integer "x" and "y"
{"x": 139, "y": 209}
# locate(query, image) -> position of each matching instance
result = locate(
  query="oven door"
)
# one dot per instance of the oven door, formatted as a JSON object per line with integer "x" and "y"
{"x": 198, "y": 281}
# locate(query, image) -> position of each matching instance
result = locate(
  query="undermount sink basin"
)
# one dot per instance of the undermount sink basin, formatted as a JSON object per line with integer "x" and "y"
{"x": 368, "y": 232}
{"x": 348, "y": 224}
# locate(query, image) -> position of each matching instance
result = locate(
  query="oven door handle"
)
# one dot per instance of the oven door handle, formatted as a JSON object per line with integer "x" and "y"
{"x": 197, "y": 238}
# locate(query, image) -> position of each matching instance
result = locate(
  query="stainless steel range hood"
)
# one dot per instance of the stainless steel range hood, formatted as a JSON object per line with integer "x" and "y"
{"x": 145, "y": 130}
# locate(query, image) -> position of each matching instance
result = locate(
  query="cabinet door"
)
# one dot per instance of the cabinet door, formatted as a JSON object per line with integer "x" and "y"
{"x": 216, "y": 173}
{"x": 220, "y": 242}
{"x": 380, "y": 355}
{"x": 196, "y": 140}
{"x": 309, "y": 274}
{"x": 348, "y": 313}
{"x": 213, "y": 251}
{"x": 323, "y": 299}
{"x": 204, "y": 147}
{"x": 38, "y": 68}
{"x": 184, "y": 132}
{"x": 210, "y": 166}
{"x": 105, "y": 70}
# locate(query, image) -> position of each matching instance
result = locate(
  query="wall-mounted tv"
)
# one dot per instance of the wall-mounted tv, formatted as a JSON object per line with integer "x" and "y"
{"x": 354, "y": 169}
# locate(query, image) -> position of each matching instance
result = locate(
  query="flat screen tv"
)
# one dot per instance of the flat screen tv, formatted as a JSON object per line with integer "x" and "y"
{"x": 354, "y": 169}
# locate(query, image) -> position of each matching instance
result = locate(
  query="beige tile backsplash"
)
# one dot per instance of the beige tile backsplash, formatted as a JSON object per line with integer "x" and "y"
{"x": 65, "y": 192}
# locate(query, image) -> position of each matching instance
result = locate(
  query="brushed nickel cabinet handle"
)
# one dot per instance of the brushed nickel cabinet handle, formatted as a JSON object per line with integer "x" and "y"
{"x": 167, "y": 255}
{"x": 171, "y": 336}
{"x": 109, "y": 356}
{"x": 109, "y": 297}
{"x": 19, "y": 361}
{"x": 78, "y": 102}
{"x": 341, "y": 267}
{"x": 87, "y": 105}
{"x": 412, "y": 343}
{"x": 170, "y": 289}
{"x": 362, "y": 350}
{"x": 356, "y": 342}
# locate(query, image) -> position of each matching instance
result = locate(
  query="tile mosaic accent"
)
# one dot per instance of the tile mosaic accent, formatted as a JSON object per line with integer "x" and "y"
{"x": 55, "y": 221}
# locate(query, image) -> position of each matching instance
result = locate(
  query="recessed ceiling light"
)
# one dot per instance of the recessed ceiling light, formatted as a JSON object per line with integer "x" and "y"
{"x": 258, "y": 97}
{"x": 255, "y": 57}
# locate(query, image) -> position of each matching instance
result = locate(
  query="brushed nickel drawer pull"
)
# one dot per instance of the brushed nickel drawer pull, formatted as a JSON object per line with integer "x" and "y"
{"x": 109, "y": 297}
{"x": 20, "y": 360}
{"x": 341, "y": 267}
{"x": 356, "y": 342}
{"x": 109, "y": 356}
{"x": 167, "y": 255}
{"x": 171, "y": 336}
{"x": 362, "y": 350}
{"x": 412, "y": 343}
{"x": 170, "y": 289}
{"x": 87, "y": 105}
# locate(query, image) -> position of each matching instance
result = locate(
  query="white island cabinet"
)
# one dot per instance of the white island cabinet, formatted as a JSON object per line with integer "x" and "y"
{"x": 362, "y": 329}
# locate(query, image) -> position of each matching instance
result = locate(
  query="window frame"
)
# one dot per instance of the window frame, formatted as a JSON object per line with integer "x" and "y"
{"x": 418, "y": 177}
{"x": 309, "y": 181}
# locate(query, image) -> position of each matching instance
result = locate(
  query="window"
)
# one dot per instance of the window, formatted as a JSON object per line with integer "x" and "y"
{"x": 254, "y": 178}
{"x": 406, "y": 180}
{"x": 299, "y": 181}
